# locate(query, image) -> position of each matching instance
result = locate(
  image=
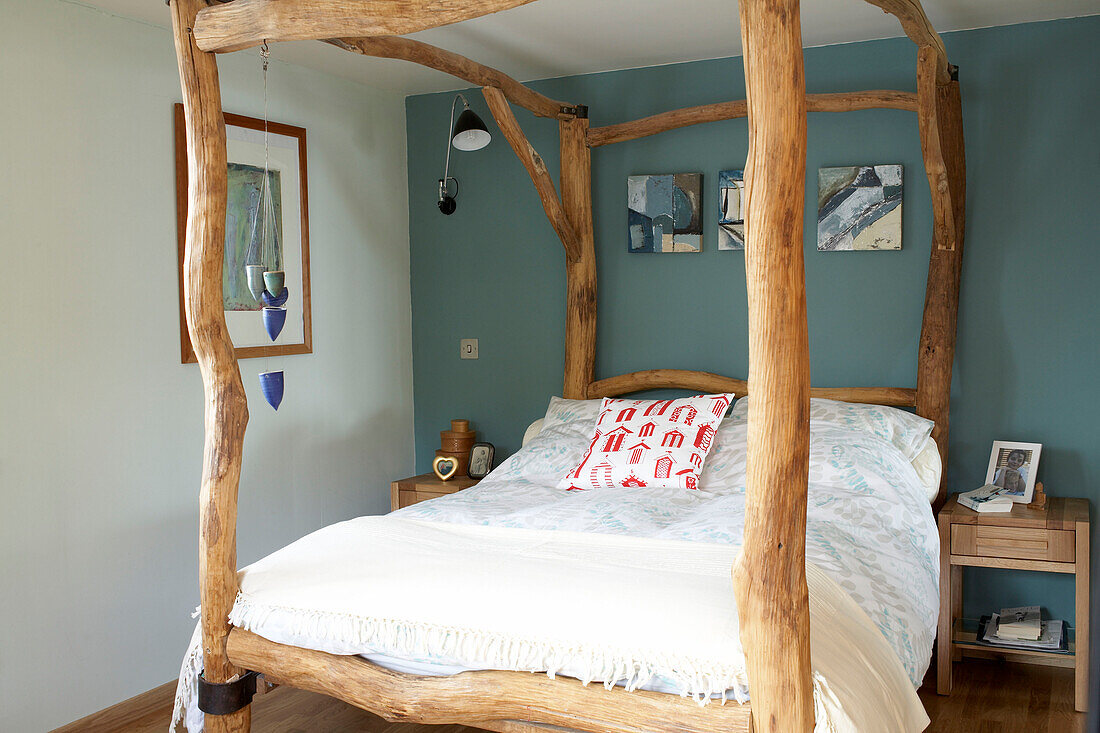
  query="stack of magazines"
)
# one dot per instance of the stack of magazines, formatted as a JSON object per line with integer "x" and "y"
{"x": 1022, "y": 628}
{"x": 1020, "y": 624}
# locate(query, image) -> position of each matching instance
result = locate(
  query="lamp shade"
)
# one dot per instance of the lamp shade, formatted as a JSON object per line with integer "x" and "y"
{"x": 469, "y": 132}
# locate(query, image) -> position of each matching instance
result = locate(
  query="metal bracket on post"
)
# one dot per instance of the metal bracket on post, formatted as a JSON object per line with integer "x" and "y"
{"x": 580, "y": 111}
{"x": 953, "y": 71}
{"x": 226, "y": 698}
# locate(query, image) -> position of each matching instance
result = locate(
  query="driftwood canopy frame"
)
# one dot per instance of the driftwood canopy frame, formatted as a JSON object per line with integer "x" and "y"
{"x": 769, "y": 577}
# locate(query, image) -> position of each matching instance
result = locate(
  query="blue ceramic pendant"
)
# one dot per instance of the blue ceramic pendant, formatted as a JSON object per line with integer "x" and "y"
{"x": 272, "y": 301}
{"x": 274, "y": 320}
{"x": 271, "y": 384}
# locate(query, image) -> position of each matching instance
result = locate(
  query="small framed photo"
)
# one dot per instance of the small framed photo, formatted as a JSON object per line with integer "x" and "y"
{"x": 1012, "y": 466}
{"x": 481, "y": 460}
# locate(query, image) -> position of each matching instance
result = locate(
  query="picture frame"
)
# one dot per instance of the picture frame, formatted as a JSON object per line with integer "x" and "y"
{"x": 481, "y": 460}
{"x": 1013, "y": 467}
{"x": 245, "y": 150}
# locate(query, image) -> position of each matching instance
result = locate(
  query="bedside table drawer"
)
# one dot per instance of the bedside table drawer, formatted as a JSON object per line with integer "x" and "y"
{"x": 1024, "y": 543}
{"x": 415, "y": 489}
{"x": 420, "y": 495}
{"x": 408, "y": 497}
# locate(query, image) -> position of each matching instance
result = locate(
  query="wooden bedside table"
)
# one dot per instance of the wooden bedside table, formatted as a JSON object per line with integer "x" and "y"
{"x": 409, "y": 491}
{"x": 1052, "y": 540}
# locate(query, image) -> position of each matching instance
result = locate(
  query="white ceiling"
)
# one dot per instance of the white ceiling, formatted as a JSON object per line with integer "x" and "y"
{"x": 553, "y": 38}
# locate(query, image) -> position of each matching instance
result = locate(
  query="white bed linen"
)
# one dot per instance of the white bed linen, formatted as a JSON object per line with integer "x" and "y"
{"x": 869, "y": 528}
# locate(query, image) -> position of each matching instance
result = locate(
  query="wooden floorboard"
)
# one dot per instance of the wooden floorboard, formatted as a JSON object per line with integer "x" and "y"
{"x": 988, "y": 697}
{"x": 1002, "y": 697}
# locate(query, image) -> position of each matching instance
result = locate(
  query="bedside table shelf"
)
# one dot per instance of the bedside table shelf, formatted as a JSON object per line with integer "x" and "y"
{"x": 1052, "y": 540}
{"x": 415, "y": 489}
{"x": 967, "y": 638}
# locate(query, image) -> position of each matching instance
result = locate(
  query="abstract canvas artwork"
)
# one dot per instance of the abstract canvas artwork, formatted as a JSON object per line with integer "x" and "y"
{"x": 731, "y": 217}
{"x": 859, "y": 208}
{"x": 242, "y": 206}
{"x": 665, "y": 213}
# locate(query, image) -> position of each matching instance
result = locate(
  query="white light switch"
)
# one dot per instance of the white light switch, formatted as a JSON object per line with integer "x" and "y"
{"x": 467, "y": 348}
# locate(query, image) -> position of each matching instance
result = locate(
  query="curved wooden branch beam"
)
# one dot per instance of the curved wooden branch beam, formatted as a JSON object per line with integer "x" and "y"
{"x": 472, "y": 698}
{"x": 246, "y": 23}
{"x": 711, "y": 383}
{"x": 226, "y": 412}
{"x": 839, "y": 102}
{"x": 705, "y": 382}
{"x": 769, "y": 577}
{"x": 890, "y": 396}
{"x": 425, "y": 54}
{"x": 665, "y": 121}
{"x": 916, "y": 25}
{"x": 536, "y": 167}
{"x": 867, "y": 99}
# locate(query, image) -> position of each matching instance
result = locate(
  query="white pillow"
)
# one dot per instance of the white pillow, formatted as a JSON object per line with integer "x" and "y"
{"x": 725, "y": 466}
{"x": 563, "y": 412}
{"x": 909, "y": 433}
{"x": 554, "y": 448}
{"x": 929, "y": 468}
{"x": 532, "y": 431}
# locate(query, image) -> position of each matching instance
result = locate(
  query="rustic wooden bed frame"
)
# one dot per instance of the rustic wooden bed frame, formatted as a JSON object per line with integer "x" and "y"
{"x": 769, "y": 577}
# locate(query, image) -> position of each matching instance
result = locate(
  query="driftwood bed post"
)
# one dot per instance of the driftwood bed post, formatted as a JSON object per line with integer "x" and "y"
{"x": 226, "y": 408}
{"x": 770, "y": 574}
{"x": 580, "y": 269}
{"x": 940, "y": 118}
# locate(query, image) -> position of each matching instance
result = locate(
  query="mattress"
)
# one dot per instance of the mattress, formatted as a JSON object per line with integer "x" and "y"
{"x": 870, "y": 532}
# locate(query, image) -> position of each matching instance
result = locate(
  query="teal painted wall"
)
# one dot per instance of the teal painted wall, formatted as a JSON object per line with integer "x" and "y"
{"x": 1028, "y": 355}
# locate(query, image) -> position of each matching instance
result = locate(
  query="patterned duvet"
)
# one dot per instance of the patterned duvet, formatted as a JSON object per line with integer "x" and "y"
{"x": 869, "y": 524}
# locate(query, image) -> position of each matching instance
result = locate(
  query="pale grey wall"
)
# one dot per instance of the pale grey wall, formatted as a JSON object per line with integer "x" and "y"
{"x": 100, "y": 425}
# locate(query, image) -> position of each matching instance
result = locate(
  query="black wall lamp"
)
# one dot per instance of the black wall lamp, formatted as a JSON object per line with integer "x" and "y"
{"x": 466, "y": 133}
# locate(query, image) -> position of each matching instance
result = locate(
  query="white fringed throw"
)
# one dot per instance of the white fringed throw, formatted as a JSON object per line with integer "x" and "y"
{"x": 601, "y": 608}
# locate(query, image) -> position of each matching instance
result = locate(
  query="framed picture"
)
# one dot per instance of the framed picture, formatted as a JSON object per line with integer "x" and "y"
{"x": 245, "y": 147}
{"x": 481, "y": 460}
{"x": 1012, "y": 466}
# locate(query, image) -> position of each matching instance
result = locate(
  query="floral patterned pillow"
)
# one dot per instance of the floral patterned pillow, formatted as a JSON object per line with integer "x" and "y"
{"x": 909, "y": 433}
{"x": 581, "y": 413}
{"x": 655, "y": 443}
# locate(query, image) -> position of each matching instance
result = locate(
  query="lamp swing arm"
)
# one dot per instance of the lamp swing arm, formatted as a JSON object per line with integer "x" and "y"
{"x": 443, "y": 182}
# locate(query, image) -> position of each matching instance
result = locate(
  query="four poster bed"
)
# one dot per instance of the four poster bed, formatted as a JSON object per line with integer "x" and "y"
{"x": 770, "y": 573}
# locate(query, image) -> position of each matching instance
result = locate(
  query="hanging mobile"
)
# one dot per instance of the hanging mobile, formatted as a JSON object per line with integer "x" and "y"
{"x": 266, "y": 279}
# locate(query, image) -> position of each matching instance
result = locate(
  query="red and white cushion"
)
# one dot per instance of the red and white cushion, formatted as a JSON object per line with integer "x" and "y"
{"x": 657, "y": 443}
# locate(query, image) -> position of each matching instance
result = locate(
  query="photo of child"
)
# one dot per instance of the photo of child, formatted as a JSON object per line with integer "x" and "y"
{"x": 1012, "y": 467}
{"x": 1012, "y": 476}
